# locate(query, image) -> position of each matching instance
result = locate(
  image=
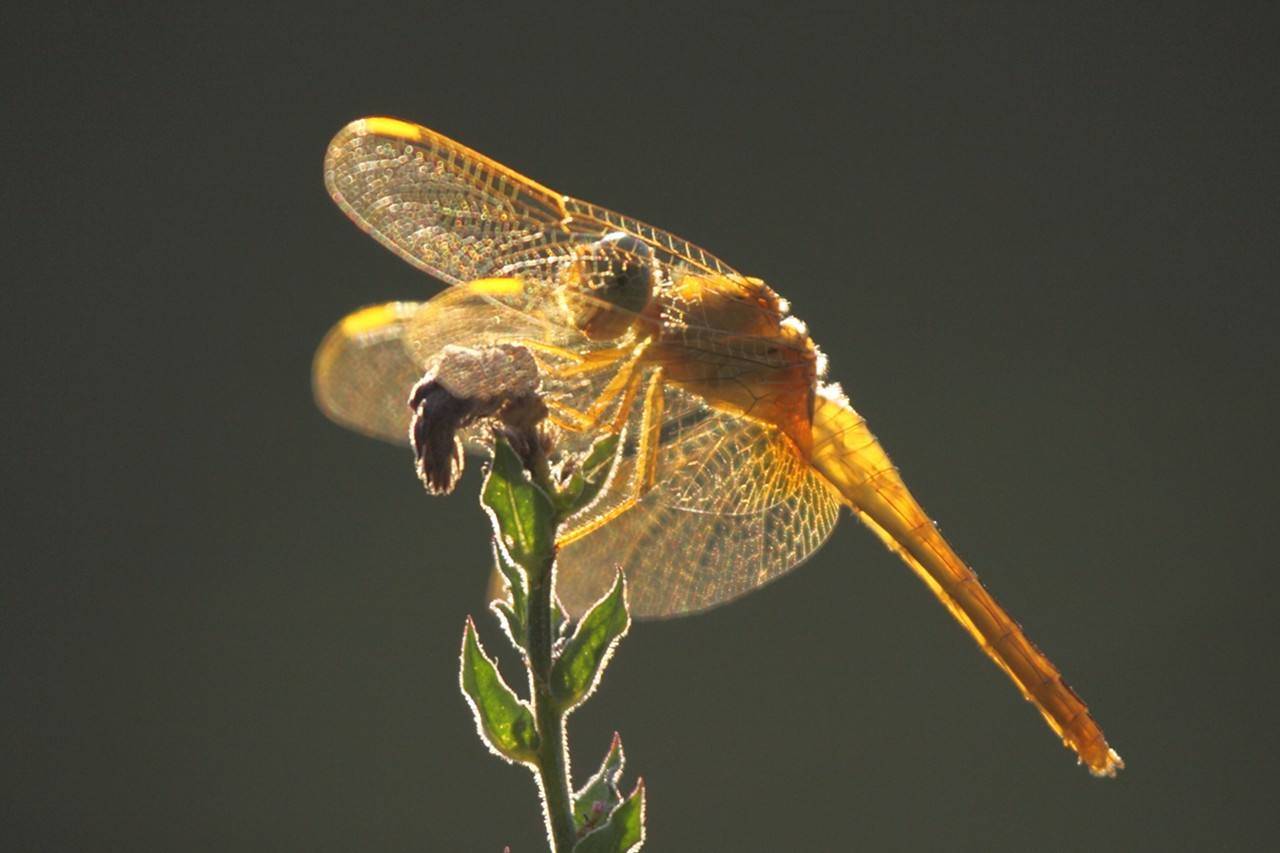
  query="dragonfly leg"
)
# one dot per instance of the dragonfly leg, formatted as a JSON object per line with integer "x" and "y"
{"x": 578, "y": 364}
{"x": 620, "y": 417}
{"x": 628, "y": 399}
{"x": 646, "y": 474}
{"x": 621, "y": 385}
{"x": 552, "y": 349}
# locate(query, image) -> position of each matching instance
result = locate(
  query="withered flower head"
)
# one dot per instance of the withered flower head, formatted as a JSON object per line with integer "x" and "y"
{"x": 464, "y": 386}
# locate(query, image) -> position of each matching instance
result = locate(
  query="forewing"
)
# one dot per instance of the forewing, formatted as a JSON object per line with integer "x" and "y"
{"x": 734, "y": 507}
{"x": 673, "y": 253}
{"x": 444, "y": 208}
{"x": 460, "y": 216}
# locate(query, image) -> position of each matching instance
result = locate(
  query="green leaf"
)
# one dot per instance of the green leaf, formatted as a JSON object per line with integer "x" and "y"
{"x": 577, "y": 671}
{"x": 504, "y": 722}
{"x": 623, "y": 832}
{"x": 512, "y": 625}
{"x": 599, "y": 796}
{"x": 567, "y": 495}
{"x": 586, "y": 482}
{"x": 523, "y": 516}
{"x": 596, "y": 465}
{"x": 559, "y": 620}
{"x": 511, "y": 610}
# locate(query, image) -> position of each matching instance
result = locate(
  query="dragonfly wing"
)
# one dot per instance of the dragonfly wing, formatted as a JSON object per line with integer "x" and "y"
{"x": 477, "y": 315}
{"x": 362, "y": 371}
{"x": 444, "y": 208}
{"x": 669, "y": 250}
{"x": 458, "y": 215}
{"x": 734, "y": 507}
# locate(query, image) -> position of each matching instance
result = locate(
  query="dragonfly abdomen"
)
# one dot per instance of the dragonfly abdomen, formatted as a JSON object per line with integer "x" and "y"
{"x": 853, "y": 462}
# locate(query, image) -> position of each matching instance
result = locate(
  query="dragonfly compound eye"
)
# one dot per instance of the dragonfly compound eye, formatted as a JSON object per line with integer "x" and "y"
{"x": 609, "y": 285}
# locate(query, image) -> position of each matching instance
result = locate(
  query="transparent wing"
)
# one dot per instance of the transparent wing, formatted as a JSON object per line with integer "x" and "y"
{"x": 362, "y": 371}
{"x": 476, "y": 315}
{"x": 459, "y": 216}
{"x": 734, "y": 507}
{"x": 367, "y": 363}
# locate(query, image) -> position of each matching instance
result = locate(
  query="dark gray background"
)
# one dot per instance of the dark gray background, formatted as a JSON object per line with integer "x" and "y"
{"x": 1038, "y": 246}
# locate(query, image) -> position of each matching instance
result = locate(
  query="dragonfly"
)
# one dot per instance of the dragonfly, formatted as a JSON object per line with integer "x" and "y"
{"x": 734, "y": 454}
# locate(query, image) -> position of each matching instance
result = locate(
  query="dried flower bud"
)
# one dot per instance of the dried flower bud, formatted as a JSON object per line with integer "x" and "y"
{"x": 465, "y": 386}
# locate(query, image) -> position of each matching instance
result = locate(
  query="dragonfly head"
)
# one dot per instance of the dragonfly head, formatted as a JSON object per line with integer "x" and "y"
{"x": 609, "y": 285}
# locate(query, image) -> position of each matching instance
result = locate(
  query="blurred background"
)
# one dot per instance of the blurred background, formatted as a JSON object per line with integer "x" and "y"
{"x": 1038, "y": 246}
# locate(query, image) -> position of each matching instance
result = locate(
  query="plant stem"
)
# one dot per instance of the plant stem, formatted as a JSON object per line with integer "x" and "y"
{"x": 553, "y": 762}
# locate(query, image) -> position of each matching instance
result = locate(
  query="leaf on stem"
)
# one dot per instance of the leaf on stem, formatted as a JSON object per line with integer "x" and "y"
{"x": 504, "y": 722}
{"x": 623, "y": 832}
{"x": 595, "y": 800}
{"x": 577, "y": 670}
{"x": 523, "y": 516}
{"x": 512, "y": 609}
{"x": 586, "y": 482}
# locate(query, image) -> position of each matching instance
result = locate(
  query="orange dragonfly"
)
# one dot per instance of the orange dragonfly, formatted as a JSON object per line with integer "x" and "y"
{"x": 735, "y": 456}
